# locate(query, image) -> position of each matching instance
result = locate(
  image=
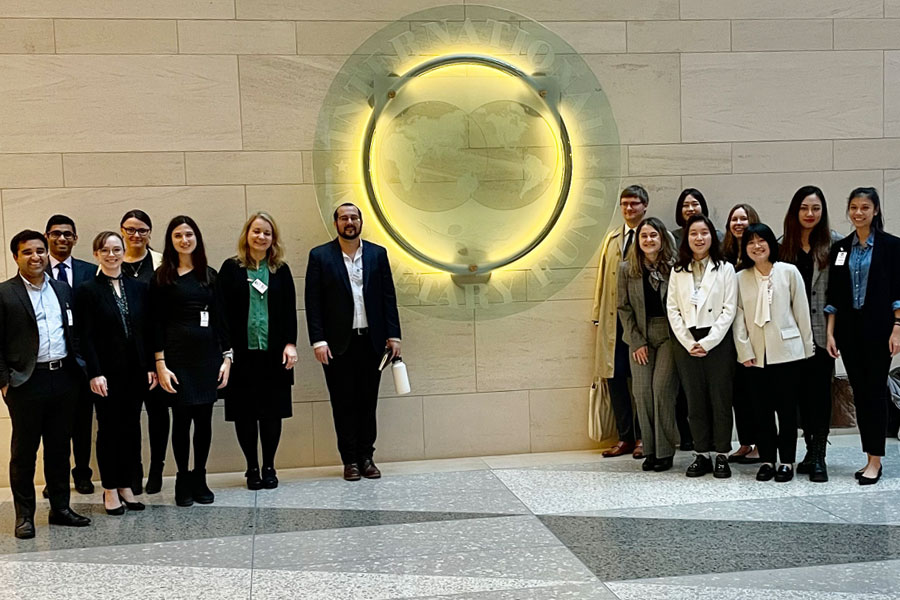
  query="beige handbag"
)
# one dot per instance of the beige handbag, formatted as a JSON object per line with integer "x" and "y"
{"x": 601, "y": 421}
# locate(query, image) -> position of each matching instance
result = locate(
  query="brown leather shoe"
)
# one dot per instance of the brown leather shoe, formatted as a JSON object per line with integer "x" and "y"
{"x": 351, "y": 472}
{"x": 619, "y": 449}
{"x": 638, "y": 450}
{"x": 369, "y": 470}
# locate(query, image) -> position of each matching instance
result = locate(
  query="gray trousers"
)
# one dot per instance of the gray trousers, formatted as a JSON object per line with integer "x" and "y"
{"x": 709, "y": 384}
{"x": 655, "y": 388}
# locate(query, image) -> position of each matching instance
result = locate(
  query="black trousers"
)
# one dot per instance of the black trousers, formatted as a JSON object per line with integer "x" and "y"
{"x": 868, "y": 363}
{"x": 352, "y": 380}
{"x": 82, "y": 430}
{"x": 775, "y": 390}
{"x": 627, "y": 426}
{"x": 708, "y": 384}
{"x": 41, "y": 410}
{"x": 815, "y": 401}
{"x": 119, "y": 431}
{"x": 744, "y": 415}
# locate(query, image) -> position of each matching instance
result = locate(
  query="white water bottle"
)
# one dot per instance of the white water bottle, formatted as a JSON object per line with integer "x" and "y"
{"x": 401, "y": 377}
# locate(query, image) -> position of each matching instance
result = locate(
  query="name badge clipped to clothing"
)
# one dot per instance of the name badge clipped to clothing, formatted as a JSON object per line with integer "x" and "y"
{"x": 70, "y": 317}
{"x": 259, "y": 286}
{"x": 696, "y": 298}
{"x": 204, "y": 318}
{"x": 840, "y": 259}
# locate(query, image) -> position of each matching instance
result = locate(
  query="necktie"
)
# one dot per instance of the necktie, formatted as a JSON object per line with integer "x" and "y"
{"x": 629, "y": 237}
{"x": 61, "y": 273}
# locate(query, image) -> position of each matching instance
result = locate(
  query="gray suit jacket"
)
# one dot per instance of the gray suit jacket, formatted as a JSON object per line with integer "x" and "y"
{"x": 631, "y": 306}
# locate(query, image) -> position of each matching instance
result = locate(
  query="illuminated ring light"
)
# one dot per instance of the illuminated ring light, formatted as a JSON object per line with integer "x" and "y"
{"x": 566, "y": 151}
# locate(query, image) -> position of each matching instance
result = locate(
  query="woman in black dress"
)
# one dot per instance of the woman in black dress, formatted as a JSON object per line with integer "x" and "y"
{"x": 139, "y": 263}
{"x": 193, "y": 355}
{"x": 112, "y": 326}
{"x": 257, "y": 292}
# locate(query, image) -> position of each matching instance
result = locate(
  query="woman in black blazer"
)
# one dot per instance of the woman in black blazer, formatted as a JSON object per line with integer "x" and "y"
{"x": 864, "y": 319}
{"x": 257, "y": 292}
{"x": 112, "y": 318}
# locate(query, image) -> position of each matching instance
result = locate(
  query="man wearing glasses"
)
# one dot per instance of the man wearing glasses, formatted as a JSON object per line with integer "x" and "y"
{"x": 63, "y": 267}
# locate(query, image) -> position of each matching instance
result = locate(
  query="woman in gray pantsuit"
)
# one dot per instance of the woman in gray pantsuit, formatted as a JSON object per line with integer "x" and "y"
{"x": 643, "y": 280}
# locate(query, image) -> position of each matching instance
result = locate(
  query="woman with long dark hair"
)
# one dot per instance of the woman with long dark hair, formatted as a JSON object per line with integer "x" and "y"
{"x": 739, "y": 218}
{"x": 690, "y": 202}
{"x": 193, "y": 354}
{"x": 257, "y": 293}
{"x": 806, "y": 244}
{"x": 701, "y": 304}
{"x": 138, "y": 263}
{"x": 643, "y": 280}
{"x": 864, "y": 319}
{"x": 773, "y": 338}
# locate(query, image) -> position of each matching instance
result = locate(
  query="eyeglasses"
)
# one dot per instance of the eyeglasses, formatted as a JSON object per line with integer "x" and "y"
{"x": 133, "y": 230}
{"x": 55, "y": 235}
{"x": 350, "y": 218}
{"x": 108, "y": 251}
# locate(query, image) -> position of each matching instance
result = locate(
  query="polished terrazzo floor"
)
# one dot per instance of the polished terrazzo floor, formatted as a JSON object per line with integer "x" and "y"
{"x": 568, "y": 526}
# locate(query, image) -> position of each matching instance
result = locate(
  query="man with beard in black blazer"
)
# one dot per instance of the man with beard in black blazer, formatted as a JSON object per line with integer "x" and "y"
{"x": 39, "y": 380}
{"x": 351, "y": 314}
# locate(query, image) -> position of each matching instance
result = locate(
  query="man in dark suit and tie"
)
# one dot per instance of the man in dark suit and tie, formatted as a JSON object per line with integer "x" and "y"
{"x": 62, "y": 237}
{"x": 351, "y": 314}
{"x": 39, "y": 380}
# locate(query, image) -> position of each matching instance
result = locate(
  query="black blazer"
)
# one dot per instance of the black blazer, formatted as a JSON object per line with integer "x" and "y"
{"x": 82, "y": 271}
{"x": 329, "y": 299}
{"x": 235, "y": 300}
{"x": 104, "y": 347}
{"x": 882, "y": 289}
{"x": 19, "y": 336}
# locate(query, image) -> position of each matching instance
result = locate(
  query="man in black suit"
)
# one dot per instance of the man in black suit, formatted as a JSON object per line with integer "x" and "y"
{"x": 62, "y": 237}
{"x": 39, "y": 380}
{"x": 351, "y": 314}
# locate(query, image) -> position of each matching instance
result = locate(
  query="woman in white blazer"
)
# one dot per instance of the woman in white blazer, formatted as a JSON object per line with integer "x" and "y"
{"x": 701, "y": 306}
{"x": 773, "y": 337}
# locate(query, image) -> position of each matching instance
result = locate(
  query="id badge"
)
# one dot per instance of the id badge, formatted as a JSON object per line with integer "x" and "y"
{"x": 70, "y": 317}
{"x": 259, "y": 286}
{"x": 204, "y": 318}
{"x": 695, "y": 298}
{"x": 840, "y": 259}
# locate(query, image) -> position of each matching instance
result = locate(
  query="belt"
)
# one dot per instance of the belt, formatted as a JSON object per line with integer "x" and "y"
{"x": 53, "y": 365}
{"x": 361, "y": 331}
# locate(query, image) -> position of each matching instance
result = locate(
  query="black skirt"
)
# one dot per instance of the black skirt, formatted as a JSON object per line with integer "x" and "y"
{"x": 259, "y": 387}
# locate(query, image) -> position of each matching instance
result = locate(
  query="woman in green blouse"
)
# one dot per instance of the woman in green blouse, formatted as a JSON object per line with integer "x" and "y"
{"x": 257, "y": 290}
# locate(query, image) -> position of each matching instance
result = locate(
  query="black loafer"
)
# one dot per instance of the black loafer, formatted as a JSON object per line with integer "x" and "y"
{"x": 269, "y": 480}
{"x": 662, "y": 464}
{"x": 863, "y": 480}
{"x": 722, "y": 470}
{"x": 784, "y": 473}
{"x": 254, "y": 481}
{"x": 24, "y": 528}
{"x": 766, "y": 472}
{"x": 67, "y": 518}
{"x": 649, "y": 463}
{"x": 700, "y": 467}
{"x": 84, "y": 486}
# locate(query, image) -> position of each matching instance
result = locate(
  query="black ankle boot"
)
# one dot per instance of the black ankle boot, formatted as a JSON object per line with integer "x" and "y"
{"x": 818, "y": 470}
{"x": 199, "y": 490}
{"x": 154, "y": 478}
{"x": 805, "y": 466}
{"x": 183, "y": 493}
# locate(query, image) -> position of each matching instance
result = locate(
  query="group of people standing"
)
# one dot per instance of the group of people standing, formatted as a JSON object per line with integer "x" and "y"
{"x": 167, "y": 331}
{"x": 744, "y": 327}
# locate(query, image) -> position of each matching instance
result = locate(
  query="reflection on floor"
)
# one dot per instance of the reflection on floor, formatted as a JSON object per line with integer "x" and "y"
{"x": 533, "y": 527}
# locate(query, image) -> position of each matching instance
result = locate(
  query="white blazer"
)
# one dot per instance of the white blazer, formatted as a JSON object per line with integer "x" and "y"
{"x": 788, "y": 335}
{"x": 714, "y": 306}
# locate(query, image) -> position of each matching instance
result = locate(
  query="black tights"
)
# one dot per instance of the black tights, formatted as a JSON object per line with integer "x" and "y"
{"x": 250, "y": 432}
{"x": 182, "y": 417}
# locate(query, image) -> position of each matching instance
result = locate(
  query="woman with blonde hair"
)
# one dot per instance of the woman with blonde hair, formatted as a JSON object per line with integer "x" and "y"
{"x": 257, "y": 291}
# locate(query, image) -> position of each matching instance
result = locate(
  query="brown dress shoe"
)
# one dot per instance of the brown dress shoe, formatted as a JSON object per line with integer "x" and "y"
{"x": 638, "y": 450}
{"x": 351, "y": 472}
{"x": 369, "y": 470}
{"x": 619, "y": 449}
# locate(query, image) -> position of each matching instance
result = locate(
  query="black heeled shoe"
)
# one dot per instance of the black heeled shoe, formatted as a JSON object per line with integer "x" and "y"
{"x": 114, "y": 512}
{"x": 863, "y": 480}
{"x": 131, "y": 505}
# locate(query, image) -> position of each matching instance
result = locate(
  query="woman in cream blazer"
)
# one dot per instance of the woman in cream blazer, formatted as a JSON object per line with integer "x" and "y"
{"x": 772, "y": 332}
{"x": 701, "y": 306}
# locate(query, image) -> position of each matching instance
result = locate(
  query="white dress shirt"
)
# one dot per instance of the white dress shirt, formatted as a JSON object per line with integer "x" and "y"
{"x": 54, "y": 268}
{"x": 354, "y": 265}
{"x": 49, "y": 317}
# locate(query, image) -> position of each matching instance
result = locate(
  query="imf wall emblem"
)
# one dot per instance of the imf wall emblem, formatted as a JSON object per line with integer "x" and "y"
{"x": 482, "y": 150}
